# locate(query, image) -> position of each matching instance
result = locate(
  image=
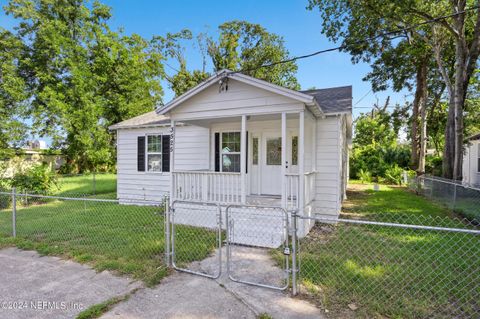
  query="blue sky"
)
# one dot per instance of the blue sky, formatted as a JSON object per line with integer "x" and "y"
{"x": 290, "y": 19}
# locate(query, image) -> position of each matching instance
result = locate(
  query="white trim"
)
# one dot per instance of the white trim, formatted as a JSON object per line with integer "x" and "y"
{"x": 243, "y": 159}
{"x": 284, "y": 160}
{"x": 301, "y": 162}
{"x": 172, "y": 158}
{"x": 299, "y": 96}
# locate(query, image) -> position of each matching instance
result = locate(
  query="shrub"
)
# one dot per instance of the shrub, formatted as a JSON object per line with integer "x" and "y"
{"x": 37, "y": 179}
{"x": 365, "y": 176}
{"x": 394, "y": 175}
{"x": 433, "y": 165}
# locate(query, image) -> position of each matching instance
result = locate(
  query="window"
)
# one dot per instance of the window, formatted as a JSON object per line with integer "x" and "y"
{"x": 255, "y": 151}
{"x": 154, "y": 153}
{"x": 274, "y": 151}
{"x": 294, "y": 150}
{"x": 230, "y": 149}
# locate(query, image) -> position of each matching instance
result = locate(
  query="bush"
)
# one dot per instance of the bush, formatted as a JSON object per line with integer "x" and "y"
{"x": 365, "y": 176}
{"x": 37, "y": 179}
{"x": 433, "y": 165}
{"x": 394, "y": 175}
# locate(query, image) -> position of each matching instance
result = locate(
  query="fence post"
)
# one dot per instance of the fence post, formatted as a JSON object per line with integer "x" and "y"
{"x": 294, "y": 253}
{"x": 167, "y": 230}
{"x": 14, "y": 212}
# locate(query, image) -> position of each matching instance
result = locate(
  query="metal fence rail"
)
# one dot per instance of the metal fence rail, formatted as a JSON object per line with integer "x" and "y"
{"x": 460, "y": 198}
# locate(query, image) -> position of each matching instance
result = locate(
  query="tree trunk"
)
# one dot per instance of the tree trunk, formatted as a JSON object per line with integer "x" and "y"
{"x": 419, "y": 105}
{"x": 422, "y": 108}
{"x": 449, "y": 148}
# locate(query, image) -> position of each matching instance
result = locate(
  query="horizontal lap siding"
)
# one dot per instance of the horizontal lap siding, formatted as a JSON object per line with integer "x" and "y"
{"x": 191, "y": 153}
{"x": 240, "y": 98}
{"x": 327, "y": 167}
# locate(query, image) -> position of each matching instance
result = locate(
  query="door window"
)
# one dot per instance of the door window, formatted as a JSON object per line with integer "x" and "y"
{"x": 274, "y": 151}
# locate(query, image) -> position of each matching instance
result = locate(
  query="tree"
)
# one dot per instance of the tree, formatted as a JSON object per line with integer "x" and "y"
{"x": 354, "y": 20}
{"x": 82, "y": 76}
{"x": 240, "y": 46}
{"x": 12, "y": 93}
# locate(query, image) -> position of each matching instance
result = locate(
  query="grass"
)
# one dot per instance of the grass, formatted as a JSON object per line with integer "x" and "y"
{"x": 126, "y": 239}
{"x": 392, "y": 272}
{"x": 105, "y": 184}
{"x": 97, "y": 310}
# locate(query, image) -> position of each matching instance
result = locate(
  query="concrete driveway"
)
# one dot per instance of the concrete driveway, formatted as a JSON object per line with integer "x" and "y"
{"x": 32, "y": 286}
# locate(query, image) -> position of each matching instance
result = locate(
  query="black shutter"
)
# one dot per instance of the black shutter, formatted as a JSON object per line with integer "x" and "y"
{"x": 141, "y": 153}
{"x": 217, "y": 152}
{"x": 246, "y": 155}
{"x": 165, "y": 153}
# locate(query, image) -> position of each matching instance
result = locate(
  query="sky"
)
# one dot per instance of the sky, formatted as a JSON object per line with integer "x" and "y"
{"x": 300, "y": 28}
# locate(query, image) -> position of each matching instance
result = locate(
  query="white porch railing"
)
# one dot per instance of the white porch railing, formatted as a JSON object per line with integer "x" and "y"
{"x": 207, "y": 186}
{"x": 292, "y": 190}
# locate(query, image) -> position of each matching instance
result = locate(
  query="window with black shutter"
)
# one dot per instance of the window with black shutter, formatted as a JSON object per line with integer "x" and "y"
{"x": 166, "y": 153}
{"x": 141, "y": 153}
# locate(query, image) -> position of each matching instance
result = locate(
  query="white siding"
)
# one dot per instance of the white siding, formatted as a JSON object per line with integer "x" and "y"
{"x": 191, "y": 142}
{"x": 327, "y": 199}
{"x": 471, "y": 173}
{"x": 239, "y": 99}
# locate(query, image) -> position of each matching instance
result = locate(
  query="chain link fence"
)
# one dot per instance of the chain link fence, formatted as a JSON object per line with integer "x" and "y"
{"x": 128, "y": 238}
{"x": 460, "y": 198}
{"x": 387, "y": 265}
{"x": 420, "y": 267}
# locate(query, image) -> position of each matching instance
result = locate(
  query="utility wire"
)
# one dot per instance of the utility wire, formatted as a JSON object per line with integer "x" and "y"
{"x": 343, "y": 46}
{"x": 363, "y": 97}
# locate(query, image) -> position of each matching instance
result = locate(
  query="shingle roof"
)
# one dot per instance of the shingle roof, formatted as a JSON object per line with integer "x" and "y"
{"x": 333, "y": 100}
{"x": 147, "y": 119}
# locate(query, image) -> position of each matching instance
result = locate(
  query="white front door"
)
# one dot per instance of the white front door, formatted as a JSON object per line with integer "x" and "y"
{"x": 271, "y": 161}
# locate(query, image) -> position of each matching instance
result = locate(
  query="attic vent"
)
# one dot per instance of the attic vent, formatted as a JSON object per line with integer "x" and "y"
{"x": 223, "y": 85}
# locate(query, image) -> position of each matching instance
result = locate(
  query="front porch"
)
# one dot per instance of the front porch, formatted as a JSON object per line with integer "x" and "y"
{"x": 263, "y": 160}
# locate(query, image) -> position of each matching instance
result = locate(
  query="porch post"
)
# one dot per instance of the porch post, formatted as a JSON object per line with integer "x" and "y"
{"x": 284, "y": 160}
{"x": 243, "y": 159}
{"x": 172, "y": 160}
{"x": 301, "y": 162}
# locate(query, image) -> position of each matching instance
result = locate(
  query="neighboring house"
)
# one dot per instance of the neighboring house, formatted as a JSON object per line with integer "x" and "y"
{"x": 471, "y": 161}
{"x": 234, "y": 139}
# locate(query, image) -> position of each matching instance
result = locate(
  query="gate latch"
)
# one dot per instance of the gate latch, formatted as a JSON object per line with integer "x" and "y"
{"x": 286, "y": 251}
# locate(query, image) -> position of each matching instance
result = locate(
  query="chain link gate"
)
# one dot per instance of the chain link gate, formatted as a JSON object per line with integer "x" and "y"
{"x": 203, "y": 222}
{"x": 254, "y": 235}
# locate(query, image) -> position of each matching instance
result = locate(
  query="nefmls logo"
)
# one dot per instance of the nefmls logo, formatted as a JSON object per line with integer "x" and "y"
{"x": 54, "y": 305}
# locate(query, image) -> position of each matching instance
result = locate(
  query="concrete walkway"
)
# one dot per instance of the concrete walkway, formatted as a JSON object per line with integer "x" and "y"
{"x": 184, "y": 295}
{"x": 32, "y": 286}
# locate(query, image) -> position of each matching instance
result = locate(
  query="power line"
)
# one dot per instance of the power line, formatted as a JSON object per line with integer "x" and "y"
{"x": 363, "y": 97}
{"x": 343, "y": 46}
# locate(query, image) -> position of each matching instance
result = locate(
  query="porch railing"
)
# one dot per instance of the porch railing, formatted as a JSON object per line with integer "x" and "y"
{"x": 292, "y": 190}
{"x": 206, "y": 186}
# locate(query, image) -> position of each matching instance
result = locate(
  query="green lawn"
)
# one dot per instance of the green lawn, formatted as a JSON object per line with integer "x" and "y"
{"x": 128, "y": 239}
{"x": 84, "y": 184}
{"x": 392, "y": 272}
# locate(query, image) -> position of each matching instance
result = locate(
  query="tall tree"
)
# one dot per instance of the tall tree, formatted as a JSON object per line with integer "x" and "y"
{"x": 12, "y": 93}
{"x": 240, "y": 46}
{"x": 82, "y": 76}
{"x": 354, "y": 20}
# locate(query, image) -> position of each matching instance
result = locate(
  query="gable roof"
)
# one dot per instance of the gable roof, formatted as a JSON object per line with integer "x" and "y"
{"x": 144, "y": 120}
{"x": 296, "y": 95}
{"x": 333, "y": 100}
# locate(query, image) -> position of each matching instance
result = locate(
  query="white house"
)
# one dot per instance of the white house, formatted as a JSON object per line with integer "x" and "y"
{"x": 471, "y": 161}
{"x": 237, "y": 139}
